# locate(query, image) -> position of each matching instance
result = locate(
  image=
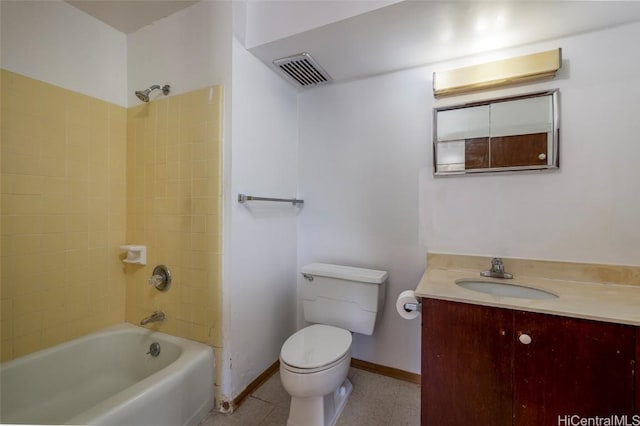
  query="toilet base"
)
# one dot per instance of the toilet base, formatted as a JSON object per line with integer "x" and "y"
{"x": 320, "y": 410}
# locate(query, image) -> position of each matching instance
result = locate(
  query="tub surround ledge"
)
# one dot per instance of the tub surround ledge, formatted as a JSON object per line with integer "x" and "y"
{"x": 607, "y": 293}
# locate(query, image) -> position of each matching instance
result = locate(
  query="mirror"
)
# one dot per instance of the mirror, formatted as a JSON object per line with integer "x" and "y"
{"x": 508, "y": 134}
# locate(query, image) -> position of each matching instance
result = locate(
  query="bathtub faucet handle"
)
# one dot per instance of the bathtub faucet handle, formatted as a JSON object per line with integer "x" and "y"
{"x": 156, "y": 280}
{"x": 161, "y": 278}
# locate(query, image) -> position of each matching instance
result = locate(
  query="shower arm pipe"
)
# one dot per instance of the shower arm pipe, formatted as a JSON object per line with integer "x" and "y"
{"x": 243, "y": 198}
{"x": 165, "y": 89}
{"x": 143, "y": 95}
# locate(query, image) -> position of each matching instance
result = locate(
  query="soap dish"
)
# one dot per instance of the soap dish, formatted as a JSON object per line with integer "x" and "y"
{"x": 135, "y": 254}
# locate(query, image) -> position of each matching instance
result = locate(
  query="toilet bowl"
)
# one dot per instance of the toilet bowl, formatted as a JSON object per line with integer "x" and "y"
{"x": 314, "y": 363}
{"x": 315, "y": 360}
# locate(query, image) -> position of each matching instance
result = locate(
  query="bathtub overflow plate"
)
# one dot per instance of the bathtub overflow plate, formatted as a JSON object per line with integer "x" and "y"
{"x": 154, "y": 349}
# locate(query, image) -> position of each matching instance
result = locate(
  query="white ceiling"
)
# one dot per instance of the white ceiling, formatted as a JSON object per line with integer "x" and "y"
{"x": 405, "y": 34}
{"x": 414, "y": 33}
{"x": 129, "y": 16}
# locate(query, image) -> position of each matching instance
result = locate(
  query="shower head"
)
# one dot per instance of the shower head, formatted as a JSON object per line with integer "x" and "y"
{"x": 143, "y": 95}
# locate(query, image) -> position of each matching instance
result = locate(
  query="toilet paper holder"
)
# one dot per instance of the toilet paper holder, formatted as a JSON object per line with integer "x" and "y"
{"x": 410, "y": 307}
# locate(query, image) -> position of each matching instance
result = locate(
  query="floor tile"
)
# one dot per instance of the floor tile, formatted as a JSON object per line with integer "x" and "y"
{"x": 363, "y": 411}
{"x": 376, "y": 400}
{"x": 404, "y": 416}
{"x": 408, "y": 394}
{"x": 375, "y": 386}
{"x": 277, "y": 417}
{"x": 272, "y": 391}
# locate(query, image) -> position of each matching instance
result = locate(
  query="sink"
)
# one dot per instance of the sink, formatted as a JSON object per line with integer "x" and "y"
{"x": 505, "y": 290}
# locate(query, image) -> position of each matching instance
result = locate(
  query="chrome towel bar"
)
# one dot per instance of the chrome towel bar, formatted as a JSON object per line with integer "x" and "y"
{"x": 242, "y": 198}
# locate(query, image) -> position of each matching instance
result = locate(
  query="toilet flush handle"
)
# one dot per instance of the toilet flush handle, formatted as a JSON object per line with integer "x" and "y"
{"x": 308, "y": 277}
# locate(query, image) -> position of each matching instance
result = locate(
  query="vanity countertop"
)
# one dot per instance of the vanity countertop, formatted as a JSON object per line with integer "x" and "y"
{"x": 579, "y": 299}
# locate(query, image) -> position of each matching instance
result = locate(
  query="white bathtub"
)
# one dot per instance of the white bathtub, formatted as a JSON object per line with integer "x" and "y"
{"x": 107, "y": 378}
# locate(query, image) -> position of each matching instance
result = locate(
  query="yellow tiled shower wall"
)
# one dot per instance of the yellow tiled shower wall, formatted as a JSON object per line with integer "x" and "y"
{"x": 173, "y": 207}
{"x": 79, "y": 178}
{"x": 63, "y": 214}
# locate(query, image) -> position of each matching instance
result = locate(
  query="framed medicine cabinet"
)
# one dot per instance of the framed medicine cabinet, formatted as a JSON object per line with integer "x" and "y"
{"x": 507, "y": 134}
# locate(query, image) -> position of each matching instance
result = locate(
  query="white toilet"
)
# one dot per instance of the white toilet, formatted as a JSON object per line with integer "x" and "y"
{"x": 314, "y": 361}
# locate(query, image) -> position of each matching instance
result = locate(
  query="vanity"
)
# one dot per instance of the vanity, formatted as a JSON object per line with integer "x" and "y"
{"x": 493, "y": 354}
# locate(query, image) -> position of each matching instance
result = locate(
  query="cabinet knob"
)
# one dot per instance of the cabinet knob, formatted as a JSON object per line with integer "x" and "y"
{"x": 525, "y": 339}
{"x": 542, "y": 157}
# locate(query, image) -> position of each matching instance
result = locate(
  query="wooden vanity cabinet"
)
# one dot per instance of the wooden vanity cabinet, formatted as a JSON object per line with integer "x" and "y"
{"x": 491, "y": 366}
{"x": 637, "y": 374}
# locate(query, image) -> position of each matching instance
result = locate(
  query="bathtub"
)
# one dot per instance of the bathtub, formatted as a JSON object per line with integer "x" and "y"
{"x": 107, "y": 378}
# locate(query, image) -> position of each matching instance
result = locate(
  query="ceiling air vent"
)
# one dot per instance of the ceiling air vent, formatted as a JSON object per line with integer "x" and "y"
{"x": 302, "y": 69}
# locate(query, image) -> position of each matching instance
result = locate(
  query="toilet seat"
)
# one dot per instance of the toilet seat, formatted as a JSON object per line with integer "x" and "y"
{"x": 315, "y": 348}
{"x": 297, "y": 370}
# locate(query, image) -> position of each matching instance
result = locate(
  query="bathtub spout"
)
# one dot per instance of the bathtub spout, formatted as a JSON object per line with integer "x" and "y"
{"x": 155, "y": 316}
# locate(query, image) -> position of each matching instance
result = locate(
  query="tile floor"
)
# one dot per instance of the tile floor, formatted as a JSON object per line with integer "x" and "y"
{"x": 375, "y": 400}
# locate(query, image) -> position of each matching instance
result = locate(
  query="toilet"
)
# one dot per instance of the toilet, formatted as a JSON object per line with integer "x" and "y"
{"x": 315, "y": 360}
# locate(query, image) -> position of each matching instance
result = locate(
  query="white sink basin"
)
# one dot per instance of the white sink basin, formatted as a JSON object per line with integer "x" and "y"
{"x": 505, "y": 290}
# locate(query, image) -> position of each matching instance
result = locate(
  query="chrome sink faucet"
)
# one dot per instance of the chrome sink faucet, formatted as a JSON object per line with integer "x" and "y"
{"x": 154, "y": 317}
{"x": 497, "y": 270}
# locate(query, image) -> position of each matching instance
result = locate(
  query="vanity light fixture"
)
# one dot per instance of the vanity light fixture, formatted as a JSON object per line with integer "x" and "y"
{"x": 498, "y": 73}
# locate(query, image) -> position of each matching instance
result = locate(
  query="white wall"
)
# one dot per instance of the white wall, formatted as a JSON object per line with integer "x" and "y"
{"x": 366, "y": 174}
{"x": 189, "y": 50}
{"x": 361, "y": 147}
{"x": 260, "y": 289}
{"x": 588, "y": 210}
{"x": 54, "y": 42}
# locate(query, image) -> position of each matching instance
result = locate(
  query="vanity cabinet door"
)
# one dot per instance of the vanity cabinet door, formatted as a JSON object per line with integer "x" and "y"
{"x": 566, "y": 366}
{"x": 466, "y": 364}
{"x": 637, "y": 407}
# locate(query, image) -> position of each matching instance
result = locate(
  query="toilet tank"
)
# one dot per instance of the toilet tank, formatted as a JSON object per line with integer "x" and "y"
{"x": 343, "y": 296}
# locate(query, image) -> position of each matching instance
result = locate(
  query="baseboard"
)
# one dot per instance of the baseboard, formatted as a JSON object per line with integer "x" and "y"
{"x": 266, "y": 374}
{"x": 383, "y": 370}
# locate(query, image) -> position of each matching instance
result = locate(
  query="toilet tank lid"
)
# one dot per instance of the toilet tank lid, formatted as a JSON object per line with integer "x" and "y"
{"x": 345, "y": 273}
